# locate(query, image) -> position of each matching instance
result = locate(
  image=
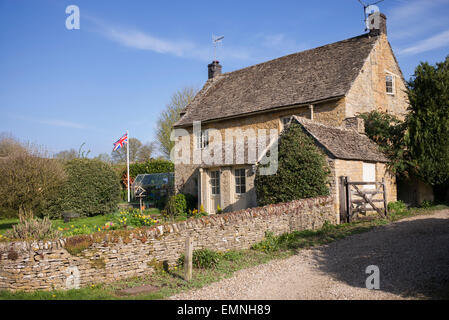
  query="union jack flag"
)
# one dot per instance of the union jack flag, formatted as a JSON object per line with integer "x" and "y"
{"x": 120, "y": 142}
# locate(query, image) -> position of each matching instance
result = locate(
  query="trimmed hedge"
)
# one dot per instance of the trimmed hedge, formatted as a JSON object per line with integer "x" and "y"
{"x": 302, "y": 170}
{"x": 92, "y": 188}
{"x": 151, "y": 166}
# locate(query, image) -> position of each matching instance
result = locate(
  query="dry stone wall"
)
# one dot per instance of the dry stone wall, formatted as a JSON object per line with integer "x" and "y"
{"x": 47, "y": 265}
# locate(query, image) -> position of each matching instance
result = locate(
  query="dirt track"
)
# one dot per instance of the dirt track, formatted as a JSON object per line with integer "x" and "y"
{"x": 412, "y": 256}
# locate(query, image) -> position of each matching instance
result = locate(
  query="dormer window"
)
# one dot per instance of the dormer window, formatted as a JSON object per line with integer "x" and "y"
{"x": 389, "y": 83}
{"x": 202, "y": 140}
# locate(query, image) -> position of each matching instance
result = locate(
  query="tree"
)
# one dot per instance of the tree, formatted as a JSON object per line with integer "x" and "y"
{"x": 170, "y": 116}
{"x": 119, "y": 156}
{"x": 104, "y": 157}
{"x": 302, "y": 170}
{"x": 66, "y": 155}
{"x": 28, "y": 179}
{"x": 145, "y": 152}
{"x": 428, "y": 122}
{"x": 389, "y": 132}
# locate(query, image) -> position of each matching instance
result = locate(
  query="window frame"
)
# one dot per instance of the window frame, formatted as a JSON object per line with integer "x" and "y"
{"x": 202, "y": 140}
{"x": 214, "y": 181}
{"x": 239, "y": 185}
{"x": 288, "y": 118}
{"x": 393, "y": 83}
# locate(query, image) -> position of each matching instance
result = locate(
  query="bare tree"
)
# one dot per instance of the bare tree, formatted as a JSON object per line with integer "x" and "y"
{"x": 66, "y": 155}
{"x": 119, "y": 156}
{"x": 145, "y": 152}
{"x": 170, "y": 115}
{"x": 28, "y": 179}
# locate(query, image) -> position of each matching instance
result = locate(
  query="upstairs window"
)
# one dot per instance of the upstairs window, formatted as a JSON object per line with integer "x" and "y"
{"x": 240, "y": 181}
{"x": 285, "y": 121}
{"x": 202, "y": 140}
{"x": 215, "y": 182}
{"x": 389, "y": 83}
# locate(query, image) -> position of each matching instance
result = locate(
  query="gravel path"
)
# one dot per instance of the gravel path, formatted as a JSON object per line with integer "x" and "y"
{"x": 412, "y": 256}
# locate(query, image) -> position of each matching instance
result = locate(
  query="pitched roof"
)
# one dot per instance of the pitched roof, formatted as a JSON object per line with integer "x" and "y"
{"x": 304, "y": 77}
{"x": 342, "y": 143}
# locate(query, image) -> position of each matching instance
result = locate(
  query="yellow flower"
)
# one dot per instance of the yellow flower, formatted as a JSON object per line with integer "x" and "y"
{"x": 54, "y": 296}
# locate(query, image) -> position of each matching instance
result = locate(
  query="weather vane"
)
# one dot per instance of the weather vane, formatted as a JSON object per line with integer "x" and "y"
{"x": 215, "y": 41}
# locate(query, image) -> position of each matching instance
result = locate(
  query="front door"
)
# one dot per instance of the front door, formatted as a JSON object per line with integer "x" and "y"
{"x": 214, "y": 179}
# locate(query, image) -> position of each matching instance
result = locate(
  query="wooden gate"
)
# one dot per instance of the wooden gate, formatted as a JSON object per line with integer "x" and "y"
{"x": 354, "y": 199}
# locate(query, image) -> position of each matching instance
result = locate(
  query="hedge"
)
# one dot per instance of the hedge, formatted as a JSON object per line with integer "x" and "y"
{"x": 92, "y": 188}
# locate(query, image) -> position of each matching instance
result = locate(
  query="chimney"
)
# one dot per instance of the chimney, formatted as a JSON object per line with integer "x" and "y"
{"x": 214, "y": 69}
{"x": 377, "y": 23}
{"x": 355, "y": 123}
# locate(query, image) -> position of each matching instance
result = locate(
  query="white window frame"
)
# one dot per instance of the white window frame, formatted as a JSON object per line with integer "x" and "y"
{"x": 369, "y": 174}
{"x": 393, "y": 83}
{"x": 285, "y": 121}
{"x": 214, "y": 182}
{"x": 202, "y": 140}
{"x": 239, "y": 185}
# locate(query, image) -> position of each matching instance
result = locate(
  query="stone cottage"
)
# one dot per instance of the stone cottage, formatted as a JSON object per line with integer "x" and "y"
{"x": 328, "y": 85}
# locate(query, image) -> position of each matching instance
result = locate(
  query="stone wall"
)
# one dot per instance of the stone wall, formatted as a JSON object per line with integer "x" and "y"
{"x": 115, "y": 255}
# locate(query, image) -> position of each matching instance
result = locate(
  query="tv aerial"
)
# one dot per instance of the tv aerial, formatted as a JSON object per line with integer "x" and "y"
{"x": 215, "y": 41}
{"x": 366, "y": 6}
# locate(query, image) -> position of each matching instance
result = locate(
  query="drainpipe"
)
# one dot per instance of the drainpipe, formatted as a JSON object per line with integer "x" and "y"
{"x": 311, "y": 111}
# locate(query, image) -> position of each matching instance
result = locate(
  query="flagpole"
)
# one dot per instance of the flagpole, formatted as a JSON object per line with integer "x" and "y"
{"x": 127, "y": 162}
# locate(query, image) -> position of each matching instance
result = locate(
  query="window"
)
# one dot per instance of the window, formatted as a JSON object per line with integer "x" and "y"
{"x": 285, "y": 121}
{"x": 389, "y": 82}
{"x": 202, "y": 140}
{"x": 369, "y": 174}
{"x": 215, "y": 181}
{"x": 240, "y": 181}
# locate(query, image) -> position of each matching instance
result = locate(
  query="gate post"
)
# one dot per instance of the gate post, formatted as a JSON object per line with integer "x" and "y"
{"x": 342, "y": 198}
{"x": 385, "y": 196}
{"x": 349, "y": 199}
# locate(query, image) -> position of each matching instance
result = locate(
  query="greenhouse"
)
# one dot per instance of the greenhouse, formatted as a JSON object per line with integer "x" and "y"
{"x": 152, "y": 188}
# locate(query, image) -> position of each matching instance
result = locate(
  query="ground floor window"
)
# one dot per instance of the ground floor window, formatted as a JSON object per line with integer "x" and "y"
{"x": 240, "y": 181}
{"x": 215, "y": 181}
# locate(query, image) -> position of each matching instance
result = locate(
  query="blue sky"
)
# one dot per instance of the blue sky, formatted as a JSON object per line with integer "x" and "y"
{"x": 60, "y": 88}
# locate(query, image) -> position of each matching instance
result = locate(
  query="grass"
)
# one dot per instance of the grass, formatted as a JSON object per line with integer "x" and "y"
{"x": 89, "y": 223}
{"x": 170, "y": 281}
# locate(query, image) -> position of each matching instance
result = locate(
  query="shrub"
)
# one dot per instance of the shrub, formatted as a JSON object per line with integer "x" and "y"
{"x": 92, "y": 188}
{"x": 151, "y": 166}
{"x": 397, "y": 207}
{"x": 302, "y": 170}
{"x": 427, "y": 204}
{"x": 33, "y": 229}
{"x": 176, "y": 205}
{"x": 269, "y": 244}
{"x": 28, "y": 178}
{"x": 203, "y": 258}
{"x": 192, "y": 201}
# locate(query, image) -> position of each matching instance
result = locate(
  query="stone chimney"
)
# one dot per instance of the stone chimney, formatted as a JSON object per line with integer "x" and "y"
{"x": 377, "y": 24}
{"x": 355, "y": 123}
{"x": 214, "y": 69}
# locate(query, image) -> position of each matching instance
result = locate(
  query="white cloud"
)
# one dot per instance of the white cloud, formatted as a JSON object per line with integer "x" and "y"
{"x": 438, "y": 41}
{"x": 51, "y": 122}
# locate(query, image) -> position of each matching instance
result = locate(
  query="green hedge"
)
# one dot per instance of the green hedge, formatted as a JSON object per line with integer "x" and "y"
{"x": 92, "y": 188}
{"x": 151, "y": 166}
{"x": 302, "y": 170}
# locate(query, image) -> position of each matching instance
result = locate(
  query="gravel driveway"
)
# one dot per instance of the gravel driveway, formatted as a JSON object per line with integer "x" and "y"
{"x": 412, "y": 256}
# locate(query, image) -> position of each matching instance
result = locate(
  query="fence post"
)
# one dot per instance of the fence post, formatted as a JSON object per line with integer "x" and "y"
{"x": 188, "y": 259}
{"x": 385, "y": 196}
{"x": 342, "y": 197}
{"x": 349, "y": 197}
